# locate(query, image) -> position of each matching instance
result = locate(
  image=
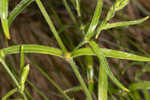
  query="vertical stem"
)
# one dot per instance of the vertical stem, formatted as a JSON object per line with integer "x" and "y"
{"x": 9, "y": 72}
{"x": 77, "y": 73}
{"x": 52, "y": 27}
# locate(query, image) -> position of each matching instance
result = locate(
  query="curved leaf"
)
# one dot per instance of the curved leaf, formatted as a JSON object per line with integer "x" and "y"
{"x": 18, "y": 9}
{"x": 110, "y": 53}
{"x": 123, "y": 24}
{"x": 33, "y": 49}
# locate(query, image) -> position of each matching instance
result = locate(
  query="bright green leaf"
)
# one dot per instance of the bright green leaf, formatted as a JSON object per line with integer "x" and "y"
{"x": 99, "y": 53}
{"x": 33, "y": 49}
{"x": 110, "y": 53}
{"x": 123, "y": 24}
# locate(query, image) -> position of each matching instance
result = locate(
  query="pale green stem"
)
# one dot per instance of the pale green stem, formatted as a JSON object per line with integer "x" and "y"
{"x": 78, "y": 75}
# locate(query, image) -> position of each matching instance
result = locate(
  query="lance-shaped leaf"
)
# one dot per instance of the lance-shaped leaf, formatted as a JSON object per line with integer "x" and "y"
{"x": 18, "y": 9}
{"x": 123, "y": 24}
{"x": 33, "y": 49}
{"x": 21, "y": 58}
{"x": 110, "y": 53}
{"x": 140, "y": 85}
{"x": 24, "y": 76}
{"x": 99, "y": 53}
{"x": 95, "y": 20}
{"x": 3, "y": 16}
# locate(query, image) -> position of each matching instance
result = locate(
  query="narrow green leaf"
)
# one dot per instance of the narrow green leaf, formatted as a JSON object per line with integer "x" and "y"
{"x": 73, "y": 89}
{"x": 33, "y": 49}
{"x": 110, "y": 53}
{"x": 95, "y": 20}
{"x": 139, "y": 85}
{"x": 18, "y": 9}
{"x": 4, "y": 15}
{"x": 51, "y": 25}
{"x": 21, "y": 58}
{"x": 24, "y": 76}
{"x": 99, "y": 53}
{"x": 123, "y": 24}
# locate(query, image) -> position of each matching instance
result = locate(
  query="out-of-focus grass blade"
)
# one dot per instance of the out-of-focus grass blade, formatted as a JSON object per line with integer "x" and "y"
{"x": 123, "y": 24}
{"x": 145, "y": 69}
{"x": 146, "y": 94}
{"x": 102, "y": 83}
{"x": 140, "y": 85}
{"x": 110, "y": 53}
{"x": 3, "y": 16}
{"x": 37, "y": 90}
{"x": 33, "y": 49}
{"x": 18, "y": 99}
{"x": 95, "y": 20}
{"x": 18, "y": 9}
{"x": 51, "y": 81}
{"x": 74, "y": 89}
{"x": 70, "y": 12}
{"x": 78, "y": 7}
{"x": 99, "y": 53}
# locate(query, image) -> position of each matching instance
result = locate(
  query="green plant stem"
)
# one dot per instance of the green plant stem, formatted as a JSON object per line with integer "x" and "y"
{"x": 52, "y": 27}
{"x": 78, "y": 75}
{"x": 10, "y": 93}
{"x": 9, "y": 72}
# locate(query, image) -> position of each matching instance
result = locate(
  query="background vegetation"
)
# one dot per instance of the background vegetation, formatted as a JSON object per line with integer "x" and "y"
{"x": 47, "y": 72}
